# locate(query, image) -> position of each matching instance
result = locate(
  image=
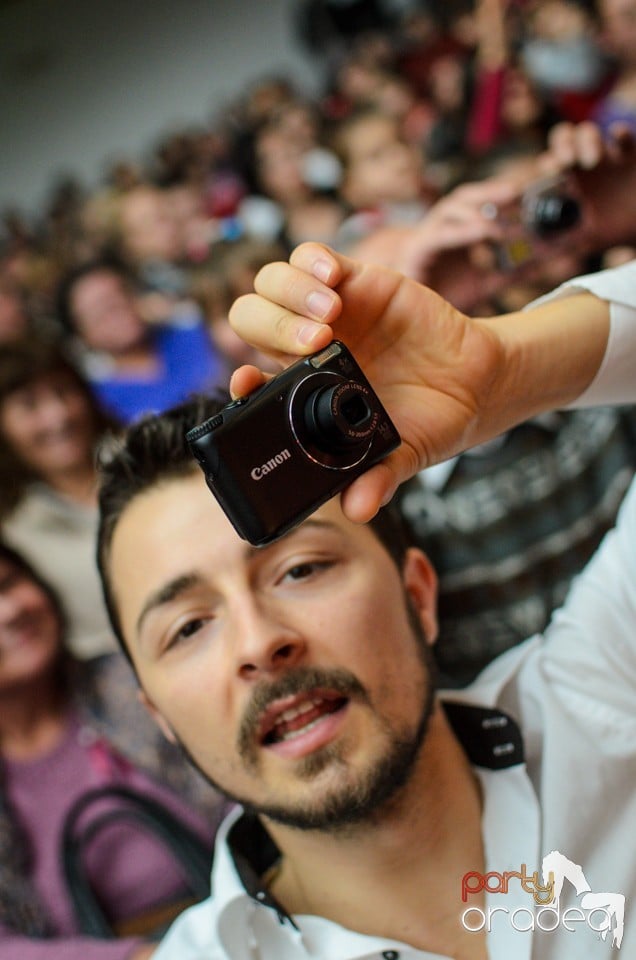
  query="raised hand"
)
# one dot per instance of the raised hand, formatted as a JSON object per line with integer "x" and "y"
{"x": 447, "y": 381}
{"x": 430, "y": 364}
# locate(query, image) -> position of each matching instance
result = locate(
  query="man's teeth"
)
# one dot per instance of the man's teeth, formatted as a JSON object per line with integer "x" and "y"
{"x": 294, "y": 712}
{"x": 288, "y": 724}
{"x": 294, "y": 733}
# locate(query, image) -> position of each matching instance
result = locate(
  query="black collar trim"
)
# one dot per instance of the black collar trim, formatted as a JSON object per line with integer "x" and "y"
{"x": 254, "y": 853}
{"x": 490, "y": 737}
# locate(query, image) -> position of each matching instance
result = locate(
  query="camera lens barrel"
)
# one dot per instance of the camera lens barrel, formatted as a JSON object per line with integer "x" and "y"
{"x": 339, "y": 415}
{"x": 554, "y": 212}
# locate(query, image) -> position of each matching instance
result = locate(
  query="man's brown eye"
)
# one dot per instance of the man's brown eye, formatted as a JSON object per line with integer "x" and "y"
{"x": 301, "y": 570}
{"x": 189, "y": 629}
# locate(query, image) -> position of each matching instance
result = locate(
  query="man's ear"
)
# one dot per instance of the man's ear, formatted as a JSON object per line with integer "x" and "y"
{"x": 159, "y": 718}
{"x": 420, "y": 583}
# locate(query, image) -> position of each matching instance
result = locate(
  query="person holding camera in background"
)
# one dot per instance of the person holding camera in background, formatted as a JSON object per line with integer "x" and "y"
{"x": 508, "y": 524}
{"x": 298, "y": 676}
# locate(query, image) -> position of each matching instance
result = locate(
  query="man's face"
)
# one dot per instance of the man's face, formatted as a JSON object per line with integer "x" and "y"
{"x": 291, "y": 674}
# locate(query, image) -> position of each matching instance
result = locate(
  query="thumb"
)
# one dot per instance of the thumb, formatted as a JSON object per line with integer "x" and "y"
{"x": 363, "y": 498}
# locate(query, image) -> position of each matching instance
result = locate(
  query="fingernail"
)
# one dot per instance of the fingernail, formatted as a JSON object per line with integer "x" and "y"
{"x": 319, "y": 303}
{"x": 308, "y": 333}
{"x": 388, "y": 496}
{"x": 321, "y": 269}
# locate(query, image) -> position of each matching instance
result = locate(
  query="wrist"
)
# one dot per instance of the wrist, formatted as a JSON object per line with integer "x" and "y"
{"x": 551, "y": 354}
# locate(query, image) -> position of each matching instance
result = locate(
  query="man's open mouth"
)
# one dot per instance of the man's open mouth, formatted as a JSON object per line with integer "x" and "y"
{"x": 299, "y": 718}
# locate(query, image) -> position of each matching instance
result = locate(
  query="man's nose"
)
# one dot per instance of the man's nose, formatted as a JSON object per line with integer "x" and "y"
{"x": 265, "y": 644}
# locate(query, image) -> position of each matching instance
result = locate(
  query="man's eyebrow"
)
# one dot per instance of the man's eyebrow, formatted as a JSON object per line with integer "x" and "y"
{"x": 166, "y": 594}
{"x": 311, "y": 522}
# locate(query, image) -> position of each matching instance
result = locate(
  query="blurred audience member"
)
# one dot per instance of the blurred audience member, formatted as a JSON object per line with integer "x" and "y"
{"x": 68, "y": 727}
{"x": 506, "y": 105}
{"x": 152, "y": 242}
{"x": 330, "y": 28}
{"x": 562, "y": 55}
{"x": 100, "y": 210}
{"x": 288, "y": 170}
{"x": 230, "y": 274}
{"x": 423, "y": 36}
{"x": 618, "y": 31}
{"x": 63, "y": 223}
{"x": 15, "y": 321}
{"x": 449, "y": 249}
{"x": 383, "y": 179}
{"x": 49, "y": 427}
{"x": 264, "y": 97}
{"x": 133, "y": 366}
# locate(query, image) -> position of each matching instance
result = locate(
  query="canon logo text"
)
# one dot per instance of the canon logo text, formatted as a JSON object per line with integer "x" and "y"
{"x": 259, "y": 472}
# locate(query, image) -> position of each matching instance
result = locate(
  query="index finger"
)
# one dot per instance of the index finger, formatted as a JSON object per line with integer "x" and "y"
{"x": 290, "y": 312}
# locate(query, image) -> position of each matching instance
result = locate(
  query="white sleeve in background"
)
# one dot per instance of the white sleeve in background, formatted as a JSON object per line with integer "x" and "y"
{"x": 592, "y": 651}
{"x": 615, "y": 382}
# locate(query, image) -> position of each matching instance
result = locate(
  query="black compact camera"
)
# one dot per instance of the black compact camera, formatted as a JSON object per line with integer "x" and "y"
{"x": 275, "y": 456}
{"x": 547, "y": 210}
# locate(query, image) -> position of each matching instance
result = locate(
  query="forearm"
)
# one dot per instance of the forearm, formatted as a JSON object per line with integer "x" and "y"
{"x": 552, "y": 355}
{"x": 614, "y": 383}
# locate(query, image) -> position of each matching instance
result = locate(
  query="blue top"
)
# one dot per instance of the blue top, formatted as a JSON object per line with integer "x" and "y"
{"x": 611, "y": 110}
{"x": 187, "y": 363}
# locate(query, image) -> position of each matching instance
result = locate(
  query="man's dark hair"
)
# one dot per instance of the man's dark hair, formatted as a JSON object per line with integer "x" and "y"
{"x": 154, "y": 450}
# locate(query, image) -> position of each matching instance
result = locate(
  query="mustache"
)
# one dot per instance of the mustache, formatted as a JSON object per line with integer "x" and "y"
{"x": 301, "y": 680}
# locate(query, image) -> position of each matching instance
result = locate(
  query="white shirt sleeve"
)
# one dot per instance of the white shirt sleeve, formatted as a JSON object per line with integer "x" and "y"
{"x": 592, "y": 642}
{"x": 615, "y": 381}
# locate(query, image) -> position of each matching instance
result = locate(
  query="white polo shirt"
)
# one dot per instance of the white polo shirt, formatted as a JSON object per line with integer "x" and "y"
{"x": 567, "y": 786}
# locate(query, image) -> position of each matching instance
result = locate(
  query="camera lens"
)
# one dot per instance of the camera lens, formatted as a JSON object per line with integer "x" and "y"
{"x": 339, "y": 416}
{"x": 554, "y": 212}
{"x": 355, "y": 411}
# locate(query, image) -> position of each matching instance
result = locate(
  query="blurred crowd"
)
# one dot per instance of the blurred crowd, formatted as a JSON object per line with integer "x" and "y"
{"x": 416, "y": 102}
{"x": 121, "y": 293}
{"x": 114, "y": 300}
